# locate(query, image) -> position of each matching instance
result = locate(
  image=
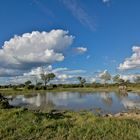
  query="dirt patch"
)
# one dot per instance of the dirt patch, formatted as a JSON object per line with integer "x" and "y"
{"x": 131, "y": 115}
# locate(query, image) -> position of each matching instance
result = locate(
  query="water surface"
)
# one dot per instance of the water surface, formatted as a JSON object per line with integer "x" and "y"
{"x": 97, "y": 102}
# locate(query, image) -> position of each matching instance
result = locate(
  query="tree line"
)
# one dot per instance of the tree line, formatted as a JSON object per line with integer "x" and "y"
{"x": 47, "y": 77}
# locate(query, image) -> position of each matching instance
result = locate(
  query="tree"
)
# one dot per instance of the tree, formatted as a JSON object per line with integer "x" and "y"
{"x": 137, "y": 79}
{"x": 105, "y": 76}
{"x": 47, "y": 77}
{"x": 27, "y": 83}
{"x": 39, "y": 84}
{"x": 118, "y": 79}
{"x": 81, "y": 80}
{"x": 121, "y": 81}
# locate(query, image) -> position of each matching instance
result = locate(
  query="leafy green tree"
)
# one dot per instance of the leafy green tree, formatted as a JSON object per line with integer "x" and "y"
{"x": 121, "y": 81}
{"x": 47, "y": 77}
{"x": 118, "y": 79}
{"x": 39, "y": 84}
{"x": 81, "y": 80}
{"x": 27, "y": 83}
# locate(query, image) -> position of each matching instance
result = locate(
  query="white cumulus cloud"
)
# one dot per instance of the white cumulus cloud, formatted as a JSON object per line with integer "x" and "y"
{"x": 34, "y": 49}
{"x": 81, "y": 50}
{"x": 133, "y": 62}
{"x": 130, "y": 77}
{"x": 104, "y": 73}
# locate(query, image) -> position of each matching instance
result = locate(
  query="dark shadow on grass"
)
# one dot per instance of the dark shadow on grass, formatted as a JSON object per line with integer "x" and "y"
{"x": 53, "y": 114}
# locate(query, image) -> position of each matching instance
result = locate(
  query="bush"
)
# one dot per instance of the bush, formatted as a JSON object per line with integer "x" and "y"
{"x": 29, "y": 87}
{"x": 14, "y": 87}
{"x": 43, "y": 88}
{"x": 4, "y": 103}
{"x": 37, "y": 88}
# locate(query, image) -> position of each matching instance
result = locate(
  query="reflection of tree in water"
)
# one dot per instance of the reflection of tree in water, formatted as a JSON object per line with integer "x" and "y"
{"x": 130, "y": 104}
{"x": 106, "y": 98}
{"x": 50, "y": 100}
{"x": 80, "y": 95}
{"x": 121, "y": 95}
{"x": 46, "y": 102}
{"x": 64, "y": 95}
{"x": 40, "y": 101}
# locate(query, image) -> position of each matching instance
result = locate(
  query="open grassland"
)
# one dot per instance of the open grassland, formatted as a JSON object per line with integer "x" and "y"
{"x": 21, "y": 124}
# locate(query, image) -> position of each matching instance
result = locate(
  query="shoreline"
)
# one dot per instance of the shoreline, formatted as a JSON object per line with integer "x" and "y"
{"x": 4, "y": 104}
{"x": 82, "y": 90}
{"x": 22, "y": 123}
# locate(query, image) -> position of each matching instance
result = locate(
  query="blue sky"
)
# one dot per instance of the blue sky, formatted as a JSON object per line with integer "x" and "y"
{"x": 109, "y": 29}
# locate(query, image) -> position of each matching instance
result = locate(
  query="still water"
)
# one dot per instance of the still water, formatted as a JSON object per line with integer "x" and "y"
{"x": 97, "y": 102}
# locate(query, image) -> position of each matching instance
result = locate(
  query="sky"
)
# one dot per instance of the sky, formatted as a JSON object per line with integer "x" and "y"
{"x": 69, "y": 37}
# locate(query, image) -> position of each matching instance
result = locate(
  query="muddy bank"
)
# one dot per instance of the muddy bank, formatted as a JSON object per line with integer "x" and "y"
{"x": 131, "y": 114}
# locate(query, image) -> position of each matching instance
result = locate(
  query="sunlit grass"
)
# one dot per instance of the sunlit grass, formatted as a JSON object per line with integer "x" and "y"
{"x": 10, "y": 91}
{"x": 23, "y": 91}
{"x": 24, "y": 124}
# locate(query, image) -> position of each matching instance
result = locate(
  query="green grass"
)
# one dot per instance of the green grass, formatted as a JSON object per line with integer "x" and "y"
{"x": 11, "y": 91}
{"x": 84, "y": 89}
{"x": 22, "y": 124}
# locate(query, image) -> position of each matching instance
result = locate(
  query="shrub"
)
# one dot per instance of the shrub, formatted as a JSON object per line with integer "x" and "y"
{"x": 4, "y": 103}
